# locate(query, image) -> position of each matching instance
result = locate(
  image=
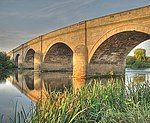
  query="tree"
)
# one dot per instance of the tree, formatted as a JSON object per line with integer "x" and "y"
{"x": 6, "y": 66}
{"x": 130, "y": 60}
{"x": 5, "y": 62}
{"x": 140, "y": 54}
{"x": 139, "y": 60}
{"x": 148, "y": 59}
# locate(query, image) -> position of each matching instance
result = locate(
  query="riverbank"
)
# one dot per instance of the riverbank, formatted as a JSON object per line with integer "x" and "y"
{"x": 95, "y": 103}
{"x": 134, "y": 63}
{"x": 138, "y": 65}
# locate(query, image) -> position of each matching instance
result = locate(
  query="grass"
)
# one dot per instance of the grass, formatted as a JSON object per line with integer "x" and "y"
{"x": 94, "y": 103}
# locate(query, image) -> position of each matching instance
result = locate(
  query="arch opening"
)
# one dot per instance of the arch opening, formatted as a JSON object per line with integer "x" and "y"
{"x": 111, "y": 54}
{"x": 29, "y": 58}
{"x": 17, "y": 60}
{"x": 139, "y": 56}
{"x": 58, "y": 58}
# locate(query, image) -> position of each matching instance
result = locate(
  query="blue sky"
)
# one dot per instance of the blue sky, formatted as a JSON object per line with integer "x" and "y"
{"x": 22, "y": 20}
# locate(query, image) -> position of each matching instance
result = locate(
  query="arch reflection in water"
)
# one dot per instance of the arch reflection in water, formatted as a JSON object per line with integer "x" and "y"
{"x": 29, "y": 81}
{"x": 36, "y": 85}
{"x": 27, "y": 84}
{"x": 57, "y": 81}
{"x": 16, "y": 75}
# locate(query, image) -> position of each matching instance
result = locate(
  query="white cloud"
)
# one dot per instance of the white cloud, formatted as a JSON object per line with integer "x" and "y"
{"x": 11, "y": 39}
{"x": 55, "y": 9}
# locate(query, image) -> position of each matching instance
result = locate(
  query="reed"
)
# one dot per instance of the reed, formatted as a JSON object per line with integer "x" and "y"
{"x": 95, "y": 103}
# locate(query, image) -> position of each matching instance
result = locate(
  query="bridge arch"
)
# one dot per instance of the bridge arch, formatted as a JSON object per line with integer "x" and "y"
{"x": 129, "y": 27}
{"x": 17, "y": 60}
{"x": 59, "y": 56}
{"x": 109, "y": 53}
{"x": 29, "y": 58}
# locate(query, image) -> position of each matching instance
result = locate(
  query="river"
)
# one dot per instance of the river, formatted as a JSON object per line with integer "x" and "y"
{"x": 24, "y": 89}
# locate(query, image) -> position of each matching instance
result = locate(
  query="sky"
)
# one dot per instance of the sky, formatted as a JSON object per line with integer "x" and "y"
{"x": 22, "y": 20}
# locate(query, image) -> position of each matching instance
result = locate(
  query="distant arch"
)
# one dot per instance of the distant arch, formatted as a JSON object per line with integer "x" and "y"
{"x": 59, "y": 56}
{"x": 17, "y": 60}
{"x": 29, "y": 58}
{"x": 56, "y": 42}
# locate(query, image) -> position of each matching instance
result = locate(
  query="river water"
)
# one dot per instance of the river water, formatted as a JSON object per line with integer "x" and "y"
{"x": 24, "y": 89}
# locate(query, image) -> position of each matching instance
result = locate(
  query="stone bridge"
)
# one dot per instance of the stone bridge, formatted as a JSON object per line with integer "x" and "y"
{"x": 96, "y": 46}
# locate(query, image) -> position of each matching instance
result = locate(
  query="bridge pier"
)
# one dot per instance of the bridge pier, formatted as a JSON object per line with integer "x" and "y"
{"x": 20, "y": 63}
{"x": 78, "y": 83}
{"x": 80, "y": 59}
{"x": 37, "y": 61}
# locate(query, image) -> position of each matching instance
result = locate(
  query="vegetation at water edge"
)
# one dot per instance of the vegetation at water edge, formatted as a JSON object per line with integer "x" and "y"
{"x": 94, "y": 103}
{"x": 6, "y": 66}
{"x": 139, "y": 60}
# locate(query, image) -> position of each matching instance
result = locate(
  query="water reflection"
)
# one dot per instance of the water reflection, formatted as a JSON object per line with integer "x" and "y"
{"x": 137, "y": 76}
{"x": 29, "y": 86}
{"x": 29, "y": 82}
{"x": 57, "y": 81}
{"x": 37, "y": 85}
{"x": 9, "y": 97}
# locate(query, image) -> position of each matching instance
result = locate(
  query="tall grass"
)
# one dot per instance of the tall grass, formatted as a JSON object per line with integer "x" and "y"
{"x": 96, "y": 103}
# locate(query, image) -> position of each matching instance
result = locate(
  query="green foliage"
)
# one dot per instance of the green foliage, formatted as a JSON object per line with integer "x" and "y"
{"x": 95, "y": 103}
{"x": 148, "y": 59}
{"x": 139, "y": 60}
{"x": 130, "y": 60}
{"x": 138, "y": 65}
{"x": 6, "y": 66}
{"x": 5, "y": 74}
{"x": 5, "y": 62}
{"x": 140, "y": 54}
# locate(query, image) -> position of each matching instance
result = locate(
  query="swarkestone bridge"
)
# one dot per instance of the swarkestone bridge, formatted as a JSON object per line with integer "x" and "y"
{"x": 90, "y": 47}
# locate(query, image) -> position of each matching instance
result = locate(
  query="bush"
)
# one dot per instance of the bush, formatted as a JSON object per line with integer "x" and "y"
{"x": 5, "y": 62}
{"x": 6, "y": 66}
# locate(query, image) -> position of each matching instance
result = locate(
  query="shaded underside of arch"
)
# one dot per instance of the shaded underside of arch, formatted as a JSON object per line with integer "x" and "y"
{"x": 111, "y": 54}
{"x": 29, "y": 58}
{"x": 17, "y": 60}
{"x": 58, "y": 57}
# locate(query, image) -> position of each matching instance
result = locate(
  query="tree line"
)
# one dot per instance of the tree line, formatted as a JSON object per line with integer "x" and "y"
{"x": 139, "y": 60}
{"x": 6, "y": 66}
